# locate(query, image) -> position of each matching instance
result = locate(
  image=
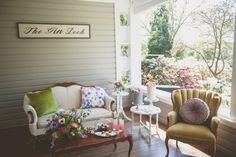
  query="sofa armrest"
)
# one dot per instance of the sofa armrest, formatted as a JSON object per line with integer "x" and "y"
{"x": 215, "y": 121}
{"x": 31, "y": 114}
{"x": 171, "y": 118}
{"x": 109, "y": 101}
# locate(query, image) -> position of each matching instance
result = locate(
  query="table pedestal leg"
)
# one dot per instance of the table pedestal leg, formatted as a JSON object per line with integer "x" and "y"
{"x": 157, "y": 125}
{"x": 140, "y": 122}
{"x": 130, "y": 140}
{"x": 120, "y": 109}
{"x": 150, "y": 128}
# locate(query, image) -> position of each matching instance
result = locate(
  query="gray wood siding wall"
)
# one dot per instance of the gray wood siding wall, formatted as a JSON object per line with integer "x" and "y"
{"x": 30, "y": 64}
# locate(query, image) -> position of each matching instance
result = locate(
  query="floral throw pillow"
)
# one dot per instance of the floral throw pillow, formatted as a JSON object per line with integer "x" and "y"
{"x": 92, "y": 97}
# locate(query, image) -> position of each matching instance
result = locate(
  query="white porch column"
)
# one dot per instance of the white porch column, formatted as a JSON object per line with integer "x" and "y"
{"x": 135, "y": 49}
{"x": 233, "y": 90}
{"x": 117, "y": 38}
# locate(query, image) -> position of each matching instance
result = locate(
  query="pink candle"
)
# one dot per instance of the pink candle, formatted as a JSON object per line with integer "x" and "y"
{"x": 121, "y": 125}
{"x": 115, "y": 125}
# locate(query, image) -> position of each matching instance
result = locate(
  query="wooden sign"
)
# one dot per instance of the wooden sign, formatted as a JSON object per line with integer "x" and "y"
{"x": 41, "y": 30}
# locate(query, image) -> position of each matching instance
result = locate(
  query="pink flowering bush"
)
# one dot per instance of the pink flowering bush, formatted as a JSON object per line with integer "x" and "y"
{"x": 188, "y": 78}
{"x": 160, "y": 70}
{"x": 168, "y": 71}
{"x": 187, "y": 73}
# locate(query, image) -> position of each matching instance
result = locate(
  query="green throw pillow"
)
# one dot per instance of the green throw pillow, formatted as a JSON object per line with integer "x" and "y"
{"x": 43, "y": 102}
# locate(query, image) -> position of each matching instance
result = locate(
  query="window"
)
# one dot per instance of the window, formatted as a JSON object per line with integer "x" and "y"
{"x": 189, "y": 44}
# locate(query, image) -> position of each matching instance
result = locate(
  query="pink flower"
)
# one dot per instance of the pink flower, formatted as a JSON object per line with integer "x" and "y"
{"x": 74, "y": 125}
{"x": 118, "y": 84}
{"x": 63, "y": 130}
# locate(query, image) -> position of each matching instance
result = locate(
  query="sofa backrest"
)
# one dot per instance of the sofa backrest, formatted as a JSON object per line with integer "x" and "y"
{"x": 68, "y": 95}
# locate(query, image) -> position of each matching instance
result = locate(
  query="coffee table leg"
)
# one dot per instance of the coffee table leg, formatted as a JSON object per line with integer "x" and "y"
{"x": 53, "y": 154}
{"x": 130, "y": 140}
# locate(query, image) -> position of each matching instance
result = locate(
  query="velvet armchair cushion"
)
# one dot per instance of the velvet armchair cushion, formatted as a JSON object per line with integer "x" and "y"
{"x": 190, "y": 133}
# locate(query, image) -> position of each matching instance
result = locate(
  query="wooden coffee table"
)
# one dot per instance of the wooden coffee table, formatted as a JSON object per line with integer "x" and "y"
{"x": 90, "y": 142}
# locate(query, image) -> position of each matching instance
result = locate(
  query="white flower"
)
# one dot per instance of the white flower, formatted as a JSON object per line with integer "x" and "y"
{"x": 59, "y": 111}
{"x": 62, "y": 121}
{"x": 79, "y": 120}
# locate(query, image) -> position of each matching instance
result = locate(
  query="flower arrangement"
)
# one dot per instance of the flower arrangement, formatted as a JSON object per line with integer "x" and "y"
{"x": 119, "y": 85}
{"x": 151, "y": 84}
{"x": 67, "y": 124}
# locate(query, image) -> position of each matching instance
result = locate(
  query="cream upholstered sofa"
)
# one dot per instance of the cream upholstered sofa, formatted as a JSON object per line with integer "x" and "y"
{"x": 68, "y": 97}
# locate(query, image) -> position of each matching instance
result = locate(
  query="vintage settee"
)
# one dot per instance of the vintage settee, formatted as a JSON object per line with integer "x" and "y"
{"x": 68, "y": 97}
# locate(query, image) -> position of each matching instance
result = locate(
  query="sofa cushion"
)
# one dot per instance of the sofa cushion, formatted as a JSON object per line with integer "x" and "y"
{"x": 92, "y": 97}
{"x": 43, "y": 102}
{"x": 42, "y": 121}
{"x": 190, "y": 133}
{"x": 95, "y": 114}
{"x": 60, "y": 94}
{"x": 73, "y": 97}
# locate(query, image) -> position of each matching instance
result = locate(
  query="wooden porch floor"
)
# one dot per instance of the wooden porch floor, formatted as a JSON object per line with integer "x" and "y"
{"x": 14, "y": 144}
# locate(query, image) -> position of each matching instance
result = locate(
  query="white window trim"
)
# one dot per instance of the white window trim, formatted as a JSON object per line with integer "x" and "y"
{"x": 233, "y": 87}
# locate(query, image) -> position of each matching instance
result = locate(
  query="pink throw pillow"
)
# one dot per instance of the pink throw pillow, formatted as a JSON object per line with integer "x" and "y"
{"x": 194, "y": 111}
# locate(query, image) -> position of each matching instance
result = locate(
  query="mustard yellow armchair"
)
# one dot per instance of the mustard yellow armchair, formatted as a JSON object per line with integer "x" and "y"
{"x": 189, "y": 133}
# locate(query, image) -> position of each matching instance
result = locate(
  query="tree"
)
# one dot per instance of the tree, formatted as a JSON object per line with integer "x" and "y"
{"x": 159, "y": 41}
{"x": 166, "y": 23}
{"x": 218, "y": 24}
{"x": 178, "y": 16}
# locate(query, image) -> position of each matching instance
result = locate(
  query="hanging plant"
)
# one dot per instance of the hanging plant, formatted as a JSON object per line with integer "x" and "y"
{"x": 123, "y": 20}
{"x": 124, "y": 50}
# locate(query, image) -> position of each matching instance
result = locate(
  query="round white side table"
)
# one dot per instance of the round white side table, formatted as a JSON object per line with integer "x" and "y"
{"x": 149, "y": 111}
{"x": 119, "y": 106}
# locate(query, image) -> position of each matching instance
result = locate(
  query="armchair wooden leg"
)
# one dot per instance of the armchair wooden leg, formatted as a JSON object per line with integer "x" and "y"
{"x": 213, "y": 149}
{"x": 167, "y": 147}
